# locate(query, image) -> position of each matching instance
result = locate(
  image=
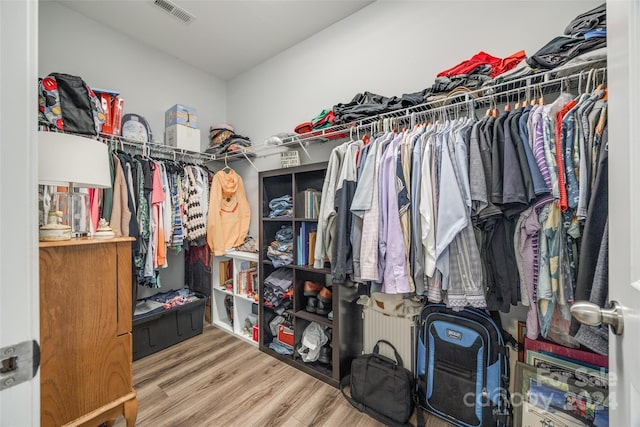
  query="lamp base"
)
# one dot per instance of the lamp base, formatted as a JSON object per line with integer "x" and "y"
{"x": 55, "y": 233}
{"x": 75, "y": 211}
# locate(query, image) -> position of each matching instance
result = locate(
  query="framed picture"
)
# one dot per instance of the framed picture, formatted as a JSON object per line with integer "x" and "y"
{"x": 523, "y": 374}
{"x": 560, "y": 368}
{"x": 532, "y": 416}
{"x": 542, "y": 396}
{"x": 522, "y": 331}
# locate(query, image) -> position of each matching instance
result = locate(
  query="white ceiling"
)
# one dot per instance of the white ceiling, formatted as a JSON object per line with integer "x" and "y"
{"x": 226, "y": 38}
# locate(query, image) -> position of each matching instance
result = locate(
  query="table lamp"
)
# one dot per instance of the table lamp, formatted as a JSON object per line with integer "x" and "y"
{"x": 75, "y": 162}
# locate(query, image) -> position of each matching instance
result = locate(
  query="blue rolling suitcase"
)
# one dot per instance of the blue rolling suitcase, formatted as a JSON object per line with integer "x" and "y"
{"x": 462, "y": 367}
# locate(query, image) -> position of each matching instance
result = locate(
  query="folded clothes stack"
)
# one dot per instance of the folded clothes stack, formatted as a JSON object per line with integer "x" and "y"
{"x": 223, "y": 139}
{"x": 281, "y": 207}
{"x": 277, "y": 287}
{"x": 280, "y": 251}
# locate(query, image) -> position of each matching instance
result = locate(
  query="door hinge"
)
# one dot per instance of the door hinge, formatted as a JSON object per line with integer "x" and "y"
{"x": 18, "y": 363}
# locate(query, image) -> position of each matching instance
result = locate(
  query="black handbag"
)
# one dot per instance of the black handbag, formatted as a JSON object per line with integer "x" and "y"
{"x": 381, "y": 387}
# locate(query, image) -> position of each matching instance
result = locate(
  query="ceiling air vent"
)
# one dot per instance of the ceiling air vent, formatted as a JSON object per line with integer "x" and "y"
{"x": 175, "y": 10}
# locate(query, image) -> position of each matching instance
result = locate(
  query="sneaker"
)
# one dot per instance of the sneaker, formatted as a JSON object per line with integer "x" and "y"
{"x": 323, "y": 308}
{"x": 311, "y": 289}
{"x": 228, "y": 306}
{"x": 312, "y": 305}
{"x": 325, "y": 355}
{"x": 325, "y": 295}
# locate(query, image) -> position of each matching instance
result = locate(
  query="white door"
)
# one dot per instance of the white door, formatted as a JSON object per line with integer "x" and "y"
{"x": 623, "y": 43}
{"x": 19, "y": 404}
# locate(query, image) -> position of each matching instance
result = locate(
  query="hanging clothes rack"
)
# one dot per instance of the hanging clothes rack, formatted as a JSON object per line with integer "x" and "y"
{"x": 150, "y": 148}
{"x": 469, "y": 101}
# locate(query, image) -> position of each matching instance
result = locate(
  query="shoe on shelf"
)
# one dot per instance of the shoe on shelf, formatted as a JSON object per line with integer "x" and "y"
{"x": 323, "y": 308}
{"x": 311, "y": 289}
{"x": 312, "y": 305}
{"x": 325, "y": 355}
{"x": 325, "y": 295}
{"x": 330, "y": 315}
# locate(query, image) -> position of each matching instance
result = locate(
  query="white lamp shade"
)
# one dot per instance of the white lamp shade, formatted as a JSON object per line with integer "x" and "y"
{"x": 65, "y": 158}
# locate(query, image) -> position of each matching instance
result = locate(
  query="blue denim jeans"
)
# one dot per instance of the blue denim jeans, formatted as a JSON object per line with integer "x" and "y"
{"x": 281, "y": 206}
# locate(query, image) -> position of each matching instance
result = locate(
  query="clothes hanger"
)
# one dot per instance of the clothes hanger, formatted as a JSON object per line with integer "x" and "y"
{"x": 532, "y": 99}
{"x": 580, "y": 84}
{"x": 507, "y": 106}
{"x": 226, "y": 167}
{"x": 605, "y": 97}
{"x": 587, "y": 85}
{"x": 541, "y": 100}
{"x": 365, "y": 138}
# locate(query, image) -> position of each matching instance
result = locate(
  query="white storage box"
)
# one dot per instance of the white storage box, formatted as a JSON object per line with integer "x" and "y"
{"x": 183, "y": 137}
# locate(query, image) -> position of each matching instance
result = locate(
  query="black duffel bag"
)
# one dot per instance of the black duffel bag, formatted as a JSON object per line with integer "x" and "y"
{"x": 381, "y": 387}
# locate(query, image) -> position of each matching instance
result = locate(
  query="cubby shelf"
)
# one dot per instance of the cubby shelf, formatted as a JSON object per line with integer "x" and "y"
{"x": 232, "y": 309}
{"x": 345, "y": 328}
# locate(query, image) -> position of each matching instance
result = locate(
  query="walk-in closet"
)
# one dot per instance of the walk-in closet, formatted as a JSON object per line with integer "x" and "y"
{"x": 319, "y": 213}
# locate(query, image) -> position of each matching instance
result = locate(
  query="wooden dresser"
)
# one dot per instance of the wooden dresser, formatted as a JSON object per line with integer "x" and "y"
{"x": 85, "y": 332}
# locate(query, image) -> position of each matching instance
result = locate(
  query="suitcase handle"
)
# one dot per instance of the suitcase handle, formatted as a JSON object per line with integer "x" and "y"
{"x": 376, "y": 350}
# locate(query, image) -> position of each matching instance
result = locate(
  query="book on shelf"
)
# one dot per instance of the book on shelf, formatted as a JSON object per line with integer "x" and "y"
{"x": 253, "y": 290}
{"x": 245, "y": 285}
{"x": 312, "y": 248}
{"x": 304, "y": 247}
{"x": 311, "y": 203}
{"x": 225, "y": 271}
{"x": 246, "y": 281}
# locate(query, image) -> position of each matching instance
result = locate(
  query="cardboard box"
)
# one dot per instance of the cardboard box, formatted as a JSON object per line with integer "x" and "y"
{"x": 181, "y": 115}
{"x": 183, "y": 137}
{"x": 285, "y": 334}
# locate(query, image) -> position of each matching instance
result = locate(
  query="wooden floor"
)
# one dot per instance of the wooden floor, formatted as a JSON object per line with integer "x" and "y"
{"x": 215, "y": 379}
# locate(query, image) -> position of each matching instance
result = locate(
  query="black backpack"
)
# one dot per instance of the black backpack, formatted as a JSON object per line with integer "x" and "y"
{"x": 69, "y": 104}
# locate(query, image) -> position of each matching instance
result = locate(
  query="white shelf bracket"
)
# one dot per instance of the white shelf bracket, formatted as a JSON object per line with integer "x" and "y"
{"x": 244, "y": 153}
{"x": 303, "y": 148}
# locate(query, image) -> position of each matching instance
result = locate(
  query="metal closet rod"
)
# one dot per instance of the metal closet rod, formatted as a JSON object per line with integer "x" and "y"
{"x": 148, "y": 147}
{"x": 467, "y": 99}
{"x": 529, "y": 92}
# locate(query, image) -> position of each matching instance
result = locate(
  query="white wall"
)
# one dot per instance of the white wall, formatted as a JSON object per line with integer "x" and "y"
{"x": 148, "y": 80}
{"x": 389, "y": 48}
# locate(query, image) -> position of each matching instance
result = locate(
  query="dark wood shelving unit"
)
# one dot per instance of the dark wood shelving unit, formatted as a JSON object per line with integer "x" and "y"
{"x": 345, "y": 327}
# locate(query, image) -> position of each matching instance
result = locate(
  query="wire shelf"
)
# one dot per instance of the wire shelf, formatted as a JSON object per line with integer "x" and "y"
{"x": 468, "y": 101}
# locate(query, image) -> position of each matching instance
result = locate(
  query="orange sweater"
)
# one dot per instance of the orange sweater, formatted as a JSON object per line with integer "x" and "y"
{"x": 229, "y": 212}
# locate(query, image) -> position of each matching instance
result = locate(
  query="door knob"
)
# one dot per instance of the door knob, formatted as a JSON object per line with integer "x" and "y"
{"x": 591, "y": 314}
